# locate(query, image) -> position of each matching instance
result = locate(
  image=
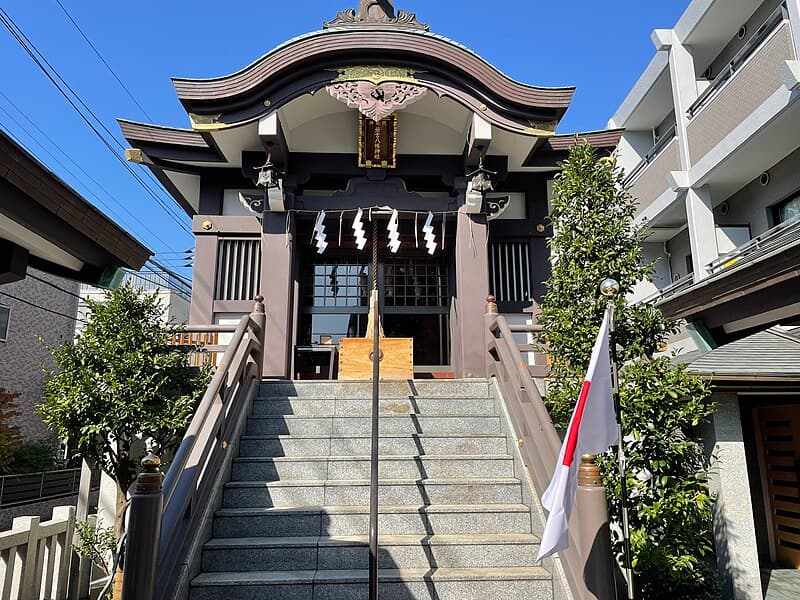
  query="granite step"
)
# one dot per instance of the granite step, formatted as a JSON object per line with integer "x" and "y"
{"x": 358, "y": 467}
{"x": 327, "y": 553}
{"x": 531, "y": 583}
{"x": 360, "y": 444}
{"x": 336, "y": 426}
{"x": 350, "y": 407}
{"x": 253, "y": 494}
{"x": 461, "y": 388}
{"x": 408, "y": 519}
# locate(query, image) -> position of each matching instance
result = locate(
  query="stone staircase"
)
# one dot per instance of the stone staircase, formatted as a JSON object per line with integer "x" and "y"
{"x": 294, "y": 517}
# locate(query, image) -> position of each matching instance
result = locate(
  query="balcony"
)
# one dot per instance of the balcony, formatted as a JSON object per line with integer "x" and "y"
{"x": 648, "y": 180}
{"x": 675, "y": 287}
{"x": 754, "y": 286}
{"x": 785, "y": 234}
{"x": 750, "y": 79}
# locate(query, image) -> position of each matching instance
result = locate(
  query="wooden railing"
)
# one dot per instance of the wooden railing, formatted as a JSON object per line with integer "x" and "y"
{"x": 36, "y": 556}
{"x": 203, "y": 341}
{"x": 166, "y": 522}
{"x": 587, "y": 561}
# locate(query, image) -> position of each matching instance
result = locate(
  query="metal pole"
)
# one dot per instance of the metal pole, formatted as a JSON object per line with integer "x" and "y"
{"x": 626, "y": 531}
{"x": 376, "y": 362}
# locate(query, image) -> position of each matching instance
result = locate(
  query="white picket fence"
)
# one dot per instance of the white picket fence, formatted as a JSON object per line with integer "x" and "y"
{"x": 35, "y": 557}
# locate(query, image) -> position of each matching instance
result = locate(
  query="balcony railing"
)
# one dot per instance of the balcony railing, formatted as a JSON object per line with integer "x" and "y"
{"x": 771, "y": 24}
{"x": 748, "y": 82}
{"x": 778, "y": 237}
{"x": 676, "y": 286}
{"x": 651, "y": 155}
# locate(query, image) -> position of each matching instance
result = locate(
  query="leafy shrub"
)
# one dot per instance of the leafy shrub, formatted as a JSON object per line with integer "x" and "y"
{"x": 663, "y": 405}
{"x": 119, "y": 382}
{"x": 98, "y": 544}
{"x": 34, "y": 457}
{"x": 9, "y": 434}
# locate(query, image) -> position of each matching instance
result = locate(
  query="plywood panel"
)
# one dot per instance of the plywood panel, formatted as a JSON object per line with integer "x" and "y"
{"x": 355, "y": 363}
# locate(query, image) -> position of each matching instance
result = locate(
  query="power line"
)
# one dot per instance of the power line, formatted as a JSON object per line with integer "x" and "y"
{"x": 103, "y": 60}
{"x": 73, "y": 161}
{"x": 53, "y": 285}
{"x": 52, "y": 74}
{"x": 50, "y": 310}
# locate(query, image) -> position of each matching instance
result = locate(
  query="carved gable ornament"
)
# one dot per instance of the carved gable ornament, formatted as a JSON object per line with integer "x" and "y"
{"x": 376, "y": 100}
{"x": 376, "y": 13}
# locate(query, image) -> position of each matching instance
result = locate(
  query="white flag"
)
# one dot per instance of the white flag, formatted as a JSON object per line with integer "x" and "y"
{"x": 592, "y": 429}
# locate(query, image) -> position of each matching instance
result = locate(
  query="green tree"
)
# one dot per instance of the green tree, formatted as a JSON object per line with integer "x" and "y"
{"x": 118, "y": 383}
{"x": 663, "y": 405}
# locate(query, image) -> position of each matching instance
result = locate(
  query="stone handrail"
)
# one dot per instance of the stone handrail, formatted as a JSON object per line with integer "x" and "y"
{"x": 166, "y": 522}
{"x": 587, "y": 562}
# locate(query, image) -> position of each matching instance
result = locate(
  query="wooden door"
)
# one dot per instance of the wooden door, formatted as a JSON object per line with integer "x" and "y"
{"x": 779, "y": 429}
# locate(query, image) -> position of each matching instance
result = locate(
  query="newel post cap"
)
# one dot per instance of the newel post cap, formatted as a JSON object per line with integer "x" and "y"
{"x": 491, "y": 305}
{"x": 258, "y": 306}
{"x": 589, "y": 472}
{"x": 149, "y": 480}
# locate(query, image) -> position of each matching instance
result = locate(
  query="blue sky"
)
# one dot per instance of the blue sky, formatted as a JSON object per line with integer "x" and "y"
{"x": 600, "y": 48}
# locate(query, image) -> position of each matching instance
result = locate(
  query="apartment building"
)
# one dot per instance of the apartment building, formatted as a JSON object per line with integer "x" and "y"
{"x": 712, "y": 151}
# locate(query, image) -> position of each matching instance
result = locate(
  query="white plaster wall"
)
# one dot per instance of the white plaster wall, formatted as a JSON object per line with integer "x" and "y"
{"x": 633, "y": 146}
{"x": 752, "y": 204}
{"x": 232, "y": 207}
{"x": 522, "y": 337}
{"x": 679, "y": 248}
{"x": 661, "y": 277}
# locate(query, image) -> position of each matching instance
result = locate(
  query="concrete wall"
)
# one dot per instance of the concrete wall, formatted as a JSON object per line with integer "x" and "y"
{"x": 752, "y": 204}
{"x": 22, "y": 355}
{"x": 734, "y": 529}
{"x": 679, "y": 248}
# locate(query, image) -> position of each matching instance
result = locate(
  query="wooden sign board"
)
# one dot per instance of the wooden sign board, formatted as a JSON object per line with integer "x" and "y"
{"x": 355, "y": 363}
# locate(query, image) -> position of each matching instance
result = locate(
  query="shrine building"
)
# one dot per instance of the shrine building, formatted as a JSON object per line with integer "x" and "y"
{"x": 373, "y": 118}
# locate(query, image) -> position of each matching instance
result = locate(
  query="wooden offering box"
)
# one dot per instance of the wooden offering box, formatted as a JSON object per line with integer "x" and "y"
{"x": 355, "y": 363}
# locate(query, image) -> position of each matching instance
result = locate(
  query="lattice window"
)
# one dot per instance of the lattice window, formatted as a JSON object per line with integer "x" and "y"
{"x": 238, "y": 268}
{"x": 416, "y": 282}
{"x": 510, "y": 271}
{"x": 343, "y": 283}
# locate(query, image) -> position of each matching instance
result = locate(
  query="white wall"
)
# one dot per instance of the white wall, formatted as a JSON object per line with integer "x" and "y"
{"x": 751, "y": 205}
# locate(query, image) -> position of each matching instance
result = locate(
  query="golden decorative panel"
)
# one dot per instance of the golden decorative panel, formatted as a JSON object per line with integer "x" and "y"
{"x": 376, "y": 74}
{"x": 377, "y": 142}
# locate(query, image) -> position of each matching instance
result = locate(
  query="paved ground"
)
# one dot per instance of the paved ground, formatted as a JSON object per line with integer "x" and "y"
{"x": 784, "y": 584}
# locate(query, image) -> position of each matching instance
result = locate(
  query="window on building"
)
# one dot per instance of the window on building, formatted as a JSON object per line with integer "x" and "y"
{"x": 5, "y": 313}
{"x": 788, "y": 210}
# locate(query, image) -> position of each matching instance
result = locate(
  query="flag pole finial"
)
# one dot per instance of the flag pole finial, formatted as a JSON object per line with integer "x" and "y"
{"x": 609, "y": 288}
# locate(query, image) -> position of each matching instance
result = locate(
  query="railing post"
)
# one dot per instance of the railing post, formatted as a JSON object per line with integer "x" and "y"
{"x": 259, "y": 316}
{"x": 29, "y": 566}
{"x": 594, "y": 538}
{"x": 81, "y": 514}
{"x": 488, "y": 320}
{"x": 144, "y": 532}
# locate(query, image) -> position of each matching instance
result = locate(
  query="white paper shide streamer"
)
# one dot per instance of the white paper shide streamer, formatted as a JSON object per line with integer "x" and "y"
{"x": 430, "y": 237}
{"x": 394, "y": 233}
{"x": 358, "y": 230}
{"x": 319, "y": 233}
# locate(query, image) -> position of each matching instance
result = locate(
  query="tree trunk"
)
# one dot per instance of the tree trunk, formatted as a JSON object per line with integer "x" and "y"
{"x": 119, "y": 529}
